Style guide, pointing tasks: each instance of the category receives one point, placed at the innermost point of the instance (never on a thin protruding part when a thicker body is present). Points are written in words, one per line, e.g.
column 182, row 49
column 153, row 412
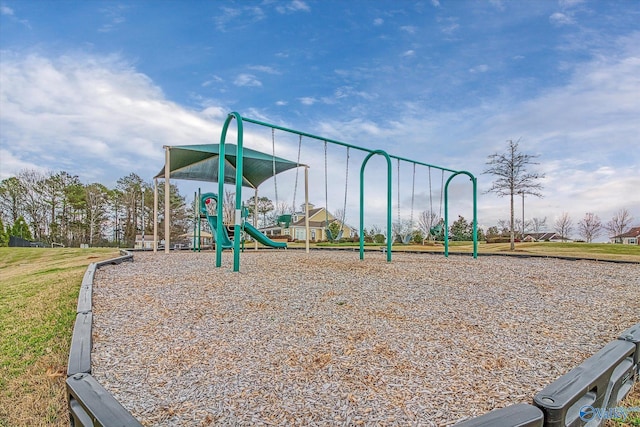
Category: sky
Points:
column 98, row 88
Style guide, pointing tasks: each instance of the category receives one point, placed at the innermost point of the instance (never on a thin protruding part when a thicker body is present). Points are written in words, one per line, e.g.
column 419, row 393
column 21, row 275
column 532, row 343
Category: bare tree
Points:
column 619, row 223
column 426, row 220
column 511, row 169
column 589, row 227
column 564, row 226
column 229, row 207
column 503, row 225
column 281, row 209
column 538, row 224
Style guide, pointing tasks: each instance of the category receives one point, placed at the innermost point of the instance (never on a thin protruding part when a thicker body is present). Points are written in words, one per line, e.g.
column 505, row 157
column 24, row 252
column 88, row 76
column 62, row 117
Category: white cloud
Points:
column 92, row 117
column 409, row 29
column 408, row 53
column 585, row 132
column 114, row 14
column 294, row 6
column 307, row 100
column 498, row 4
column 10, row 165
column 212, row 80
column 482, row 68
column 7, row 11
column 448, row 25
column 559, row 18
column 435, row 3
column 247, row 80
column 570, row 3
column 265, row 69
column 378, row 21
column 237, row 18
column 281, row 103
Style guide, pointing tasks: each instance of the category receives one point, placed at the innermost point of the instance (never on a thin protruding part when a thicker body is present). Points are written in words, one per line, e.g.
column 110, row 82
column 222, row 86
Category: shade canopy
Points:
column 200, row 163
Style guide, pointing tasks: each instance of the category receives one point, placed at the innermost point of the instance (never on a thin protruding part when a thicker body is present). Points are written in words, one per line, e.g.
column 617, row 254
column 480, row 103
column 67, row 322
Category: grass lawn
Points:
column 633, row 418
column 38, row 297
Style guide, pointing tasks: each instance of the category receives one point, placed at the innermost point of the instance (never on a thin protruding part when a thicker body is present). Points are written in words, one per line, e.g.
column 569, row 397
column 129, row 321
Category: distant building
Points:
column 631, row 237
column 543, row 237
column 319, row 220
column 147, row 243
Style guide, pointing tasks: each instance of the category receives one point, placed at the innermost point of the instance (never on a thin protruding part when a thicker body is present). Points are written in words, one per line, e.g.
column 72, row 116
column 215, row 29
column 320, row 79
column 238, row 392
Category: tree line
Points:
column 55, row 208
column 511, row 169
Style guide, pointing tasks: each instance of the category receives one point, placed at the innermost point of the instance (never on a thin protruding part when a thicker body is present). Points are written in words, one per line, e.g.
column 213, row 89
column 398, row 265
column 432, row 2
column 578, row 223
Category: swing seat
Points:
column 284, row 221
column 435, row 230
column 330, row 235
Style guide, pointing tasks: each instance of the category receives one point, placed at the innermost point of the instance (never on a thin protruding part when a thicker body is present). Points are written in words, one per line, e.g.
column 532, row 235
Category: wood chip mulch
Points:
column 327, row 339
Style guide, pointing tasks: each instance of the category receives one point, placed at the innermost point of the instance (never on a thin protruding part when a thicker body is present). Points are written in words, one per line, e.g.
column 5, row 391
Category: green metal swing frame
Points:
column 238, row 182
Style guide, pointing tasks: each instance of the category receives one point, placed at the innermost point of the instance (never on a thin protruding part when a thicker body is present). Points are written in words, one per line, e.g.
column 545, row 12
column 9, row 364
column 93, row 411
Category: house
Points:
column 143, row 242
column 631, row 237
column 319, row 220
column 543, row 237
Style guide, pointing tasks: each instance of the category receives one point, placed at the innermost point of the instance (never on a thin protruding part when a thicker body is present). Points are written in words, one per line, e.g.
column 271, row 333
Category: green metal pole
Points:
column 446, row 217
column 219, row 212
column 475, row 216
column 344, row 144
column 362, row 167
column 237, row 226
column 475, row 213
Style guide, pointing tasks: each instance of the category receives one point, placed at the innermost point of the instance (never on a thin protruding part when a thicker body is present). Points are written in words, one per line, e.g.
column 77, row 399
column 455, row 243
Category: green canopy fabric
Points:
column 200, row 163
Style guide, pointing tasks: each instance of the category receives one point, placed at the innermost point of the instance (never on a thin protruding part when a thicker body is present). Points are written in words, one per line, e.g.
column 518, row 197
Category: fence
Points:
column 587, row 395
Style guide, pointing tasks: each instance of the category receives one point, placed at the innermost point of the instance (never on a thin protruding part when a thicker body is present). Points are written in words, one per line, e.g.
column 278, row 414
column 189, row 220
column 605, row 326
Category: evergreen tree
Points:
column 4, row 237
column 21, row 229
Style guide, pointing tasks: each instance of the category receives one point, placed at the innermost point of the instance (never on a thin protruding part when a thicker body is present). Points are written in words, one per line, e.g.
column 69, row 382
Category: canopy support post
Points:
column 306, row 207
column 167, row 198
column 155, row 215
column 255, row 216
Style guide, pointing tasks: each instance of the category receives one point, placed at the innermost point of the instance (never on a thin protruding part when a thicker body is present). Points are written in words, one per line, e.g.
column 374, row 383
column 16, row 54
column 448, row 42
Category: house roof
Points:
column 541, row 236
column 633, row 232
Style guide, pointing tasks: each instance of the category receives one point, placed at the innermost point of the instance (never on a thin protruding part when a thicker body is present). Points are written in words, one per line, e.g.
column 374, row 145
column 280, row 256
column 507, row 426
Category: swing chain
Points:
column 295, row 188
column 346, row 188
column 273, row 149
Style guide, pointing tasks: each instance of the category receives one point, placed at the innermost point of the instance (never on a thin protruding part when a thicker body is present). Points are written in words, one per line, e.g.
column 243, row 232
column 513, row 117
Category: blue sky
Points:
column 96, row 88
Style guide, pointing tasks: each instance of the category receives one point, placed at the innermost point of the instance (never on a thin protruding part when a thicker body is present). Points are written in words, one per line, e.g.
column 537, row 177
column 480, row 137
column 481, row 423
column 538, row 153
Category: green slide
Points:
column 261, row 238
column 226, row 242
column 205, row 199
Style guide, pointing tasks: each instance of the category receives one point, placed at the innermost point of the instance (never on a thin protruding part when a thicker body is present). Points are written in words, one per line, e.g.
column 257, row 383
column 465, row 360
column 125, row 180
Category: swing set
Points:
column 285, row 219
column 435, row 229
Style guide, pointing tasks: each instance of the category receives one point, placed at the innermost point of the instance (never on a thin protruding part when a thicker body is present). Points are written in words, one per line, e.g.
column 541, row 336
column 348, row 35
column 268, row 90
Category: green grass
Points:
column 38, row 297
column 633, row 418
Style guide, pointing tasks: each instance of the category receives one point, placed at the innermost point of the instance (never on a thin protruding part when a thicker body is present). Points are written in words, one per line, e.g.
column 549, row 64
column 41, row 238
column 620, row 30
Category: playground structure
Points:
column 225, row 242
column 232, row 168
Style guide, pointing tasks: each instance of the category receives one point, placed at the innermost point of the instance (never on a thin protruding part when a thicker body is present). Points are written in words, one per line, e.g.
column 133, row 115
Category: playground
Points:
column 321, row 338
column 238, row 167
